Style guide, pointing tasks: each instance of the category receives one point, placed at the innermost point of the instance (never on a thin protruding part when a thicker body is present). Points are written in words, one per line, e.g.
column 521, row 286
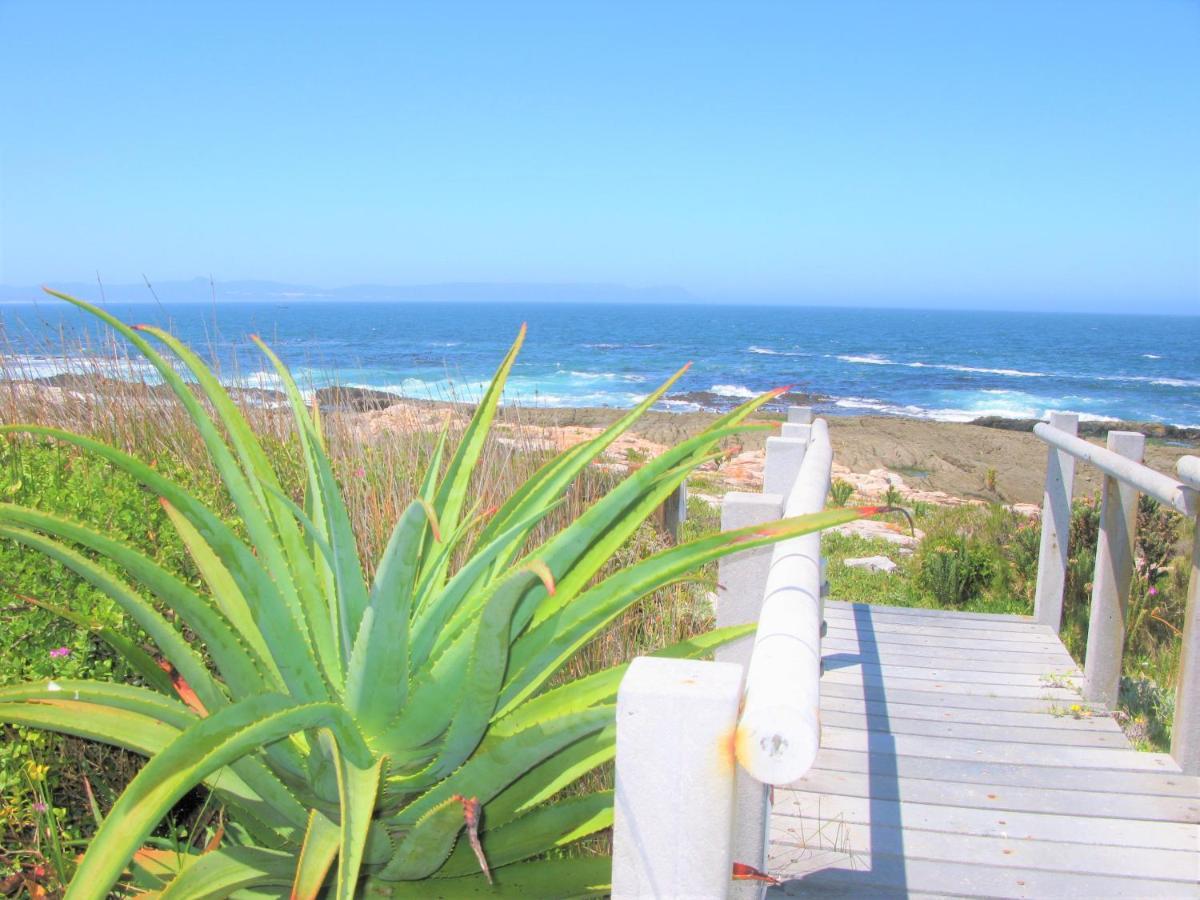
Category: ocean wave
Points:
column 733, row 390
column 1149, row 379
column 869, row 359
column 978, row 370
column 602, row 376
column 1151, row 356
column 767, row 351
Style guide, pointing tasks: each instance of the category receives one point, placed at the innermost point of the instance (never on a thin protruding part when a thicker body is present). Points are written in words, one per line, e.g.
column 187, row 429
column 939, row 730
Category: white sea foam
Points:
column 979, row 370
column 1151, row 356
column 869, row 359
column 603, row 376
column 732, row 390
column 1150, row 379
column 767, row 351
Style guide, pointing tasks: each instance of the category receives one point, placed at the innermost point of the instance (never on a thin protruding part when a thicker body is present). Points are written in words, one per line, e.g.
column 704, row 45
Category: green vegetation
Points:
column 840, row 492
column 420, row 718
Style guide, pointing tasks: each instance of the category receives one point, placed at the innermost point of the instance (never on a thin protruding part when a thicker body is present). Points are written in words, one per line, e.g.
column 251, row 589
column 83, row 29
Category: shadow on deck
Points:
column 958, row 759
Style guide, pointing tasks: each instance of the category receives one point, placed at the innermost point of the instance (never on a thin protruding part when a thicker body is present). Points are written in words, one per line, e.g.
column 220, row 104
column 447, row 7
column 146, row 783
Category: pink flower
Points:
column 1153, row 592
column 60, row 652
column 39, row 806
column 360, row 472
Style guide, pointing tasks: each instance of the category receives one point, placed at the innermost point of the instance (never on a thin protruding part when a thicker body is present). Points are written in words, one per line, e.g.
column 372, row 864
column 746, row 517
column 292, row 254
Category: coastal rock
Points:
column 878, row 529
column 355, row 399
column 871, row 564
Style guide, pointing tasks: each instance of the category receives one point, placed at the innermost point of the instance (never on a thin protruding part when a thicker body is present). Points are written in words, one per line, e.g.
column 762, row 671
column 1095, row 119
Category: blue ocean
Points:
column 949, row 366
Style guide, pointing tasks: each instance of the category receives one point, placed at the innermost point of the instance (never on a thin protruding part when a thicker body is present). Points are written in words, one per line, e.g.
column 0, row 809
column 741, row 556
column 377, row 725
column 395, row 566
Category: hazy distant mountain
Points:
column 198, row 290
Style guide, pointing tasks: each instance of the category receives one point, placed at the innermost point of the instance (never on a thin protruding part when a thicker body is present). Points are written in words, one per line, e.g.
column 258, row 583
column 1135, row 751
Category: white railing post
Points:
column 1111, row 581
column 1056, row 527
column 1185, row 730
column 742, row 576
column 675, row 765
column 742, row 582
column 784, row 455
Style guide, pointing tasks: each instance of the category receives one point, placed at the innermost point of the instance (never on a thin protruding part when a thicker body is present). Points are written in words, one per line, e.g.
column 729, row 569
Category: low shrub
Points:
column 840, row 492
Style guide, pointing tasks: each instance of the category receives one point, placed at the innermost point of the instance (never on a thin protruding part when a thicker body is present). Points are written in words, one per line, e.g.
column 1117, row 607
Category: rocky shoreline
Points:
column 990, row 460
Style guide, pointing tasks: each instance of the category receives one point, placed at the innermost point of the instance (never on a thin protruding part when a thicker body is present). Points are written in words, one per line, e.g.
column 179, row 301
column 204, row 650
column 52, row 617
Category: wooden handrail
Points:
column 779, row 731
column 1175, row 494
column 1124, row 477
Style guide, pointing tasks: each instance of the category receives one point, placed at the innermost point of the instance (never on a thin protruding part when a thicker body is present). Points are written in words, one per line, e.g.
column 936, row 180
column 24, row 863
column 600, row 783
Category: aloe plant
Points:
column 364, row 736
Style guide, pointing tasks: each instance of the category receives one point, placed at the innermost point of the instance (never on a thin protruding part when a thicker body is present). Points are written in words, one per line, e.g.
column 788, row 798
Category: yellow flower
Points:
column 37, row 771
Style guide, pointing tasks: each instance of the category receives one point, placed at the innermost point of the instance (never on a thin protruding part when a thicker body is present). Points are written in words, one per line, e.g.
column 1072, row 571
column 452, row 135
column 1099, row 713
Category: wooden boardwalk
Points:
column 959, row 760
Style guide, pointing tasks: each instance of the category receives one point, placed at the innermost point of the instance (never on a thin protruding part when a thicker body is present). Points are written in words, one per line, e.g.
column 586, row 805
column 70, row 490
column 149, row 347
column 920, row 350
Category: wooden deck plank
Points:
column 951, row 766
column 921, row 612
column 839, row 656
column 862, row 840
column 889, row 876
column 1020, row 646
column 1074, row 802
column 913, row 680
column 1011, row 824
column 933, row 696
column 1117, row 781
column 939, row 629
column 1058, row 737
column 986, row 716
column 977, row 652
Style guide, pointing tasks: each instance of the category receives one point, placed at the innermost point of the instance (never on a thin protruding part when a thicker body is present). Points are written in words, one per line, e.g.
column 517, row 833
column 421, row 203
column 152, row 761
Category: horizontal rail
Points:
column 779, row 731
column 1164, row 488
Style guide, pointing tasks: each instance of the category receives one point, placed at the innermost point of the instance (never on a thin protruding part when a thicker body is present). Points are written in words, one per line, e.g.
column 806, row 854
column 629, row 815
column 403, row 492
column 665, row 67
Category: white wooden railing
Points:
column 1124, row 478
column 700, row 743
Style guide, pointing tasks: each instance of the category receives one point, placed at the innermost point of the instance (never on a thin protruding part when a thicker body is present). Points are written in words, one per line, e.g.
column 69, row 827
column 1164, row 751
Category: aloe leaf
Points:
column 556, row 475
column 141, row 661
column 317, row 854
column 177, row 651
column 265, row 484
column 219, row 873
column 474, row 682
column 330, row 514
column 433, row 821
column 210, row 744
column 601, row 687
column 537, row 655
column 577, row 552
column 236, row 482
column 95, row 716
column 452, row 491
column 240, row 666
column 549, row 777
column 452, row 603
column 377, row 677
column 358, row 787
column 282, row 630
column 112, row 695
column 223, row 588
column 546, row 828
column 563, row 879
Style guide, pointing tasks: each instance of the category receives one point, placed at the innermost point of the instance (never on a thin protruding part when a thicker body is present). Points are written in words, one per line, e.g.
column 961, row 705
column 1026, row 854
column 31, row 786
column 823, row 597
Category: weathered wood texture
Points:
column 943, row 772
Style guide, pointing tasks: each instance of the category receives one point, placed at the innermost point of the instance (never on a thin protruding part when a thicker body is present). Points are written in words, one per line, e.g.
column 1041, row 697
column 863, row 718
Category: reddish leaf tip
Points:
column 542, row 571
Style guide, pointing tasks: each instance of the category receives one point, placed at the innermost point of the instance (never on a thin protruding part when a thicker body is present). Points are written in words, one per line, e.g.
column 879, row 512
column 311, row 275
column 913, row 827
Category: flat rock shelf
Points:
column 958, row 759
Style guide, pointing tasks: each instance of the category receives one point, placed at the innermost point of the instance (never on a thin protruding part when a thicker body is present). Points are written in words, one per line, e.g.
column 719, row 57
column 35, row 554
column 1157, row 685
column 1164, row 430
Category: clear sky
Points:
column 971, row 153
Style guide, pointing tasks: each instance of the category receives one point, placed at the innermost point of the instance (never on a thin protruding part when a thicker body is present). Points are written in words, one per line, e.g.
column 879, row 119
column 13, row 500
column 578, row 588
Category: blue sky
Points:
column 965, row 153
